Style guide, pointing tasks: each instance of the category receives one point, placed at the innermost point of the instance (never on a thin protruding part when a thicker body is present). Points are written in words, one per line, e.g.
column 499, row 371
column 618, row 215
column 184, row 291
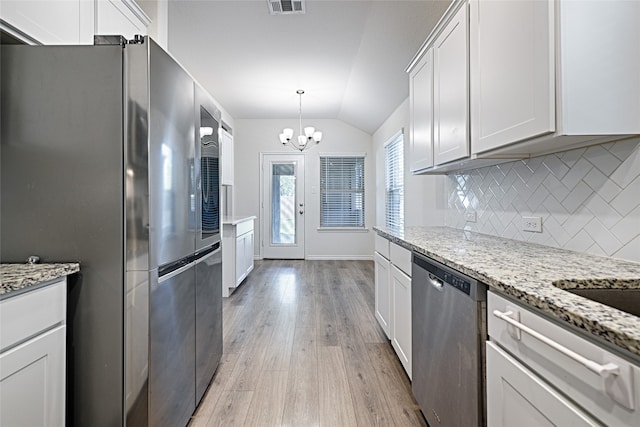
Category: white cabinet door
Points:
column 49, row 22
column 421, row 113
column 248, row 252
column 382, row 277
column 240, row 258
column 401, row 317
column 512, row 71
column 451, row 93
column 32, row 381
column 226, row 140
column 121, row 17
column 517, row 397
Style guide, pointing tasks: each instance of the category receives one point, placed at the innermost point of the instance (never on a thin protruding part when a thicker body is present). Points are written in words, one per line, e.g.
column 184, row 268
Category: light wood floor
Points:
column 302, row 348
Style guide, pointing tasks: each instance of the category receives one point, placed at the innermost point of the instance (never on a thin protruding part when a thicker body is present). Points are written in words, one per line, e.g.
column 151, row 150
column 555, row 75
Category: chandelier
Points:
column 310, row 133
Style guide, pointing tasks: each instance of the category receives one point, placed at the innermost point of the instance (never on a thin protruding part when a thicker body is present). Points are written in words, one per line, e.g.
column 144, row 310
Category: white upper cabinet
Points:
column 548, row 76
column 421, row 111
column 451, row 90
column 512, row 71
column 439, row 94
column 56, row 22
column 49, row 22
column 120, row 17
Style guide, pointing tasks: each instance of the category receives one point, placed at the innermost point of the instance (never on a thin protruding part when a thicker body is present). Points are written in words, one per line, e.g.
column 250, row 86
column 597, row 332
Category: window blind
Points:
column 341, row 191
column 394, row 182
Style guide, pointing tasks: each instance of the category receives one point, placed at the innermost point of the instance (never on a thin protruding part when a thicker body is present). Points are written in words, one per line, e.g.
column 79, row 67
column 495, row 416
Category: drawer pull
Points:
column 604, row 371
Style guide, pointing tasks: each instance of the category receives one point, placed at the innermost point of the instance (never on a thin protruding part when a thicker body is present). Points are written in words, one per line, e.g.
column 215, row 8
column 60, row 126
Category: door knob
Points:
column 301, row 212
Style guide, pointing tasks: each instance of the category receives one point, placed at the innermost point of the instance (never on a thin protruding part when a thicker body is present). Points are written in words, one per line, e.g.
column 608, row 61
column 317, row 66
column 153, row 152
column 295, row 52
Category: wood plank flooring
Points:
column 302, row 348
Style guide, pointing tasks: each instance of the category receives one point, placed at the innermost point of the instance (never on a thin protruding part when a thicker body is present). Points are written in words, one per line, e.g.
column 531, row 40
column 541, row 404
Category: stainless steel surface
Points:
column 33, row 259
column 627, row 300
column 208, row 318
column 448, row 334
column 62, row 197
column 172, row 349
column 171, row 160
column 98, row 166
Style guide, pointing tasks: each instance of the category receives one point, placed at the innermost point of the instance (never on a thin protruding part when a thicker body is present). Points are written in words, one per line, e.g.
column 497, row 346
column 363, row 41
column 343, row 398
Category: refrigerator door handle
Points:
column 177, row 271
column 205, row 254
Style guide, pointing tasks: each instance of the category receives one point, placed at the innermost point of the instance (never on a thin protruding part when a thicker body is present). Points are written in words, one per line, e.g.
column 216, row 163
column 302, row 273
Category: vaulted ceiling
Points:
column 349, row 56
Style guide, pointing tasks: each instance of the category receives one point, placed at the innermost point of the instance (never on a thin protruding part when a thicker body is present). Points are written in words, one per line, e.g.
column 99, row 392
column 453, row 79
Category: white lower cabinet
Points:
column 401, row 317
column 32, row 357
column 537, row 382
column 517, row 397
column 393, row 296
column 237, row 252
column 383, row 292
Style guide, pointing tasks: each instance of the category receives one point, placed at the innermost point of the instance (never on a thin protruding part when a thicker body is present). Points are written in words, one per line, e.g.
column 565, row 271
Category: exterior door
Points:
column 283, row 206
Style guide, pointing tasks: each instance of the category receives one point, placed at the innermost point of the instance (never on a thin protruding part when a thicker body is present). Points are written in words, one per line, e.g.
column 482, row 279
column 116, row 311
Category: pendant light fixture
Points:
column 310, row 133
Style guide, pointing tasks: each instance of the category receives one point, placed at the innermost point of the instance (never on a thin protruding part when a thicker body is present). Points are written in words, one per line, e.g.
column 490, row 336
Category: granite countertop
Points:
column 17, row 278
column 536, row 275
column 235, row 220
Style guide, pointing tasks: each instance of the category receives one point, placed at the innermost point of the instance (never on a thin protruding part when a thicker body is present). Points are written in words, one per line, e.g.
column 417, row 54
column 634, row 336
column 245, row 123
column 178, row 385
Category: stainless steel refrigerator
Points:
column 110, row 157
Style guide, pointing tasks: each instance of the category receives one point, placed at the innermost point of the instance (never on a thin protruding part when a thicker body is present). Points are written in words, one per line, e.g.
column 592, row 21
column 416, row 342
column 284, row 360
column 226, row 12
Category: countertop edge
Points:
column 19, row 278
column 237, row 220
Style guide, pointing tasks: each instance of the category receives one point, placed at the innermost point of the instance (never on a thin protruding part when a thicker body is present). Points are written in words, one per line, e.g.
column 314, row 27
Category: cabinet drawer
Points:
column 244, row 227
column 30, row 313
column 382, row 246
column 401, row 258
column 614, row 400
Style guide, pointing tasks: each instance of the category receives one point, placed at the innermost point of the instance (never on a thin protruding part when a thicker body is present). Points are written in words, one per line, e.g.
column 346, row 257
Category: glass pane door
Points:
column 283, row 206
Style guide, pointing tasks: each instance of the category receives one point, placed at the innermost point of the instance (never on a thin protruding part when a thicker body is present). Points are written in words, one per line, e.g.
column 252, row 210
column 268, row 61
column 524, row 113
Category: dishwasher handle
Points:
column 604, row 371
column 435, row 282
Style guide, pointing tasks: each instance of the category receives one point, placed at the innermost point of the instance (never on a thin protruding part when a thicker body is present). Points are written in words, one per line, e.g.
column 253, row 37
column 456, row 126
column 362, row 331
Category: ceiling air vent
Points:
column 286, row 7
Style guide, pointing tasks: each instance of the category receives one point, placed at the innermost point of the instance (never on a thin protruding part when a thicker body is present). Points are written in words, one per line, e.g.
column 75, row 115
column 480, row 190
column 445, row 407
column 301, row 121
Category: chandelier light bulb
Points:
column 308, row 131
column 288, row 133
column 317, row 136
column 283, row 138
column 302, row 140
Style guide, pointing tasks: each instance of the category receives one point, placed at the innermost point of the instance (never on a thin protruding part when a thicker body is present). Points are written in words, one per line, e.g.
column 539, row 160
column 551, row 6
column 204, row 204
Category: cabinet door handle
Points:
column 602, row 370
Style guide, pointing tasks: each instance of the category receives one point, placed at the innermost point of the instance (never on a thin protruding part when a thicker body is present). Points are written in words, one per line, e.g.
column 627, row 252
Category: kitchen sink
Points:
column 627, row 300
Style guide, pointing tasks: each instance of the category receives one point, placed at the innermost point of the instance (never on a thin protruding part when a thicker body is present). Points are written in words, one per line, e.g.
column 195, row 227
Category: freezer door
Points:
column 171, row 346
column 208, row 316
column 172, row 166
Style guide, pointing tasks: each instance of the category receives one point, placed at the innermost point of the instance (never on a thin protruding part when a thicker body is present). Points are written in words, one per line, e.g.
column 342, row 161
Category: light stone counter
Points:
column 536, row 275
column 18, row 278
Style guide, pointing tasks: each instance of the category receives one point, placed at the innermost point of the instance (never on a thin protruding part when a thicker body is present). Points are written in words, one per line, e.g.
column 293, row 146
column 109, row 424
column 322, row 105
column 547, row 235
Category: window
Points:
column 394, row 181
column 341, row 191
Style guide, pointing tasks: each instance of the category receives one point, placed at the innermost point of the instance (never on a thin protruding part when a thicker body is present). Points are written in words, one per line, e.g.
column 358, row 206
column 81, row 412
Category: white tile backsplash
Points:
column 589, row 199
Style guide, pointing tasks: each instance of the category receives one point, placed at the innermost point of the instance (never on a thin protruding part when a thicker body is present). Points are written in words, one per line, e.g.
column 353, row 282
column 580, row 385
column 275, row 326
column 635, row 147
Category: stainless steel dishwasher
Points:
column 448, row 321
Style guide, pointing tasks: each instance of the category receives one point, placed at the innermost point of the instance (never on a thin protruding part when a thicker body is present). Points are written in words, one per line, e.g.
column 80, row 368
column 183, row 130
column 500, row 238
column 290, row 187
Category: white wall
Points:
column 253, row 136
column 424, row 195
column 588, row 199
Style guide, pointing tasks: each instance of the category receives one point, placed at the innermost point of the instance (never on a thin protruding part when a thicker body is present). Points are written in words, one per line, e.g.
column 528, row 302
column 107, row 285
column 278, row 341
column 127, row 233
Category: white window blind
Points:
column 341, row 191
column 394, row 182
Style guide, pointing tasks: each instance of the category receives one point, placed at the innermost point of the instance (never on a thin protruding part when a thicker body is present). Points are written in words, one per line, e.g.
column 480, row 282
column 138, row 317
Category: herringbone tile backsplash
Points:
column 589, row 199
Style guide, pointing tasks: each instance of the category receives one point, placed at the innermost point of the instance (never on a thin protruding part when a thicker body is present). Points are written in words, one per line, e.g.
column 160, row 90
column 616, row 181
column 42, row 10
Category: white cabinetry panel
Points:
column 382, row 277
column 451, row 90
column 401, row 317
column 32, row 357
column 517, row 397
column 512, row 71
column 49, row 22
column 421, row 111
column 120, row 17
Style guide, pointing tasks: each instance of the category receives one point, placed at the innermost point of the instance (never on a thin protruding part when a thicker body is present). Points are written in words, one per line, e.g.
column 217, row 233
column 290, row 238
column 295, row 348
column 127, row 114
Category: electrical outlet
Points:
column 532, row 224
column 470, row 216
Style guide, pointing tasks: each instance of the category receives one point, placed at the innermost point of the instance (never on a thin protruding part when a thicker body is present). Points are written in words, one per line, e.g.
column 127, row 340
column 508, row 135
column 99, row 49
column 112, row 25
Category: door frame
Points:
column 265, row 227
